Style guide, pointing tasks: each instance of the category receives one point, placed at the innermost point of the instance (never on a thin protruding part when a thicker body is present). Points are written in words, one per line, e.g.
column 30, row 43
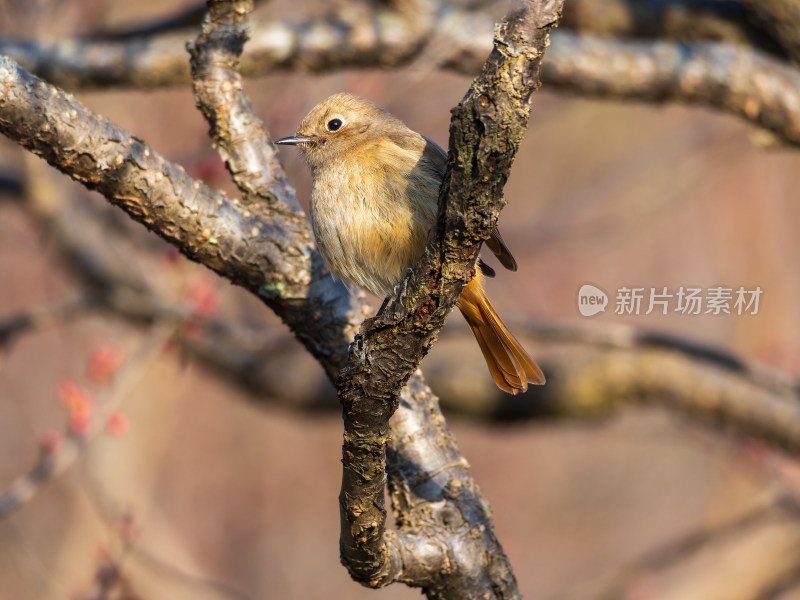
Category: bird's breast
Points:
column 370, row 222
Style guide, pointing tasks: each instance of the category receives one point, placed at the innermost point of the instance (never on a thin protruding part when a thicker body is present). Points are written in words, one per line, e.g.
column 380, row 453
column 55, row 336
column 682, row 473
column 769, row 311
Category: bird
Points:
column 374, row 199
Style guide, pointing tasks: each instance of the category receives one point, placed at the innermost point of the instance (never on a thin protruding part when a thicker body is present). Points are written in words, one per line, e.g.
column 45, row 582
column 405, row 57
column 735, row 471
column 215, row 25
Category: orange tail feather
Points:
column 510, row 365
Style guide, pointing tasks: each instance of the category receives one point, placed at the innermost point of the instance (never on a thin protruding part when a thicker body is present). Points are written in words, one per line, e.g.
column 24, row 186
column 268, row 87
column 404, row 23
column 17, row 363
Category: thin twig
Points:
column 42, row 317
column 54, row 461
column 683, row 549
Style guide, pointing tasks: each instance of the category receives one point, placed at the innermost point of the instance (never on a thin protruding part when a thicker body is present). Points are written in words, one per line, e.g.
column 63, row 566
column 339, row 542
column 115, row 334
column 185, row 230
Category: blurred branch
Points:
column 593, row 370
column 745, row 83
column 85, row 242
column 47, row 466
column 43, row 316
column 783, row 586
column 110, row 581
column 715, row 561
column 731, row 77
column 185, row 18
column 197, row 582
column 677, row 20
column 342, row 38
column 60, row 452
column 592, row 373
column 144, row 62
column 781, row 18
column 10, row 183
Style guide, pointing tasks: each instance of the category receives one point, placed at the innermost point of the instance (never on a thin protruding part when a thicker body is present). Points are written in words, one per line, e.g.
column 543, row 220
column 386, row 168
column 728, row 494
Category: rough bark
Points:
column 442, row 517
column 280, row 266
column 486, row 130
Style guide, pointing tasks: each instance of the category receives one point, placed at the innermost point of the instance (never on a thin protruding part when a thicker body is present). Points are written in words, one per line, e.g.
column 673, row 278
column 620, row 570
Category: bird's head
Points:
column 337, row 125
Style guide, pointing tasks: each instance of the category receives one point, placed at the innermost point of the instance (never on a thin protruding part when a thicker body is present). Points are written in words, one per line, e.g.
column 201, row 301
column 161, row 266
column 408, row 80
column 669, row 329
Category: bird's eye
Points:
column 334, row 124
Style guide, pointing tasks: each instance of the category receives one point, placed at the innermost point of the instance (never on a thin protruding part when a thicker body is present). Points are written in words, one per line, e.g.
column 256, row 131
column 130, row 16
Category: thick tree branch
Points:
column 486, row 130
column 593, row 370
column 262, row 246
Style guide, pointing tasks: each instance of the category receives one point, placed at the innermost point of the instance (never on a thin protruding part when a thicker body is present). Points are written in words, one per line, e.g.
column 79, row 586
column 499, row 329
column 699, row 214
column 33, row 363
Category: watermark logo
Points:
column 719, row 300
column 591, row 300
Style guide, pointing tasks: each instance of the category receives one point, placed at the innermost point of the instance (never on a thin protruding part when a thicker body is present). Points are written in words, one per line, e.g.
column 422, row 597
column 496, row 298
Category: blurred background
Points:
column 201, row 487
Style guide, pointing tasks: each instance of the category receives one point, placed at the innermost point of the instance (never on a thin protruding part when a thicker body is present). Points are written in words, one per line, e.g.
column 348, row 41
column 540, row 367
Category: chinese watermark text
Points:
column 685, row 300
column 718, row 300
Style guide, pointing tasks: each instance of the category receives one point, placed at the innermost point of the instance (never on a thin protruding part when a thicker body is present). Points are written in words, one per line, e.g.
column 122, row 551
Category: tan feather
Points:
column 511, row 366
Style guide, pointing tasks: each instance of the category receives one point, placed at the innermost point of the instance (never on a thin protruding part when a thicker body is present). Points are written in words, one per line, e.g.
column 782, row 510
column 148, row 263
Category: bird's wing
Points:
column 497, row 245
column 438, row 158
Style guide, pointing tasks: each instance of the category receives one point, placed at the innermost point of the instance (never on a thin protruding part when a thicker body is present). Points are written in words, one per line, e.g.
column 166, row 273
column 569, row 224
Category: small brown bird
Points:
column 374, row 199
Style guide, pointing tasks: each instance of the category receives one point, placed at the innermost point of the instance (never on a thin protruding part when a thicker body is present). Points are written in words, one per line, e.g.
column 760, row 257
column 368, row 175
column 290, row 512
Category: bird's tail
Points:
column 511, row 367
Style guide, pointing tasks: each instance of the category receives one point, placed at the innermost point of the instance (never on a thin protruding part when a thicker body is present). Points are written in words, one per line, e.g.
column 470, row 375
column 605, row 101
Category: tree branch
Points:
column 724, row 76
column 486, row 129
column 677, row 20
column 718, row 558
column 261, row 243
column 781, row 18
column 55, row 459
column 372, row 556
column 263, row 246
column 593, row 370
column 42, row 316
column 749, row 83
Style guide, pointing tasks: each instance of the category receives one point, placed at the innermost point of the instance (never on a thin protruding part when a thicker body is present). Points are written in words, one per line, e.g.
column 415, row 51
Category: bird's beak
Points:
column 293, row 140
